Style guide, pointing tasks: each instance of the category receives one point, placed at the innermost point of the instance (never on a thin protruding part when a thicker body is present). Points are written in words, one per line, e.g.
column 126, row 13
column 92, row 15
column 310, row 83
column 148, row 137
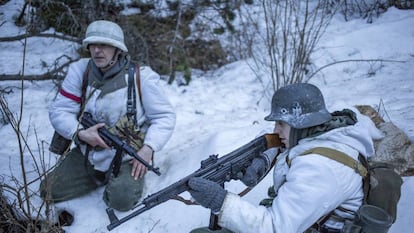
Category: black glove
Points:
column 207, row 193
column 255, row 171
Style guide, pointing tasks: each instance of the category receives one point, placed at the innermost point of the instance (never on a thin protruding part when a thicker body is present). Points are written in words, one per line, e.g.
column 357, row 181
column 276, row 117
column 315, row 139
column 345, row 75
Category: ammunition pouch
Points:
column 369, row 219
column 59, row 144
column 333, row 225
column 374, row 219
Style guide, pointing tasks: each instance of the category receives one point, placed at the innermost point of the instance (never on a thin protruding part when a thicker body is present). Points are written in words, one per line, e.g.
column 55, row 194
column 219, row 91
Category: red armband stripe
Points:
column 70, row 96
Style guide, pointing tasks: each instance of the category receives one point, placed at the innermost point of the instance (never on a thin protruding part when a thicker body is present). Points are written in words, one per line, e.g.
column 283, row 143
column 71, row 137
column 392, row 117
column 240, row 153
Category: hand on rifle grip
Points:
column 255, row 171
column 91, row 136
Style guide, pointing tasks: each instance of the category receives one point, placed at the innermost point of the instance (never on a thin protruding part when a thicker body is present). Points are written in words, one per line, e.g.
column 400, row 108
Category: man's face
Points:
column 102, row 55
column 283, row 130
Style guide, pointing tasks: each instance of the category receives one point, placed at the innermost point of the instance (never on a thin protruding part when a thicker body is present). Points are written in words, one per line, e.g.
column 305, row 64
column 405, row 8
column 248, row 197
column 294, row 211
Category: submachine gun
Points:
column 228, row 167
column 114, row 141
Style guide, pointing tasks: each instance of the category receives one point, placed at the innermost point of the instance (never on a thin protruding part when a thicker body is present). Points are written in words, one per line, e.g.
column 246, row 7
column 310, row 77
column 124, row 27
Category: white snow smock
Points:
column 310, row 188
column 156, row 110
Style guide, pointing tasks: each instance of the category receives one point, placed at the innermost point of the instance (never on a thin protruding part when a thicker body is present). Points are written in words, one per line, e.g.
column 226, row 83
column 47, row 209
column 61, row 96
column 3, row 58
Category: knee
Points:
column 123, row 197
column 43, row 191
column 46, row 191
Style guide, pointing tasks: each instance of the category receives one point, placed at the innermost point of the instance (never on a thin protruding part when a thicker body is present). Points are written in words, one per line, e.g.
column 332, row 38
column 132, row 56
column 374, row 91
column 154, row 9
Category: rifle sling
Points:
column 132, row 99
column 183, row 200
column 116, row 162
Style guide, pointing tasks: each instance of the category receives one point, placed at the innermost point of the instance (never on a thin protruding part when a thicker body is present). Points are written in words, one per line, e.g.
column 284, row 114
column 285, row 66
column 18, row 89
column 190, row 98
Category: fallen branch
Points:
column 46, row 35
column 53, row 74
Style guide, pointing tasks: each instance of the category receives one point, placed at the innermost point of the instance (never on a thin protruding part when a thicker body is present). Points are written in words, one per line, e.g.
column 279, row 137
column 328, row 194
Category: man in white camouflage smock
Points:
column 100, row 85
column 307, row 188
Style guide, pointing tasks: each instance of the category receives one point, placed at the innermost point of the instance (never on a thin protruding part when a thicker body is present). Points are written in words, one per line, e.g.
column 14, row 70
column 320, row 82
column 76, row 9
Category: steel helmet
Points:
column 300, row 105
column 104, row 32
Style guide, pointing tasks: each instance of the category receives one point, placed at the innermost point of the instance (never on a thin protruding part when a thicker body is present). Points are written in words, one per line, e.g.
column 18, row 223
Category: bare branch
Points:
column 282, row 48
column 47, row 35
column 350, row 60
column 58, row 72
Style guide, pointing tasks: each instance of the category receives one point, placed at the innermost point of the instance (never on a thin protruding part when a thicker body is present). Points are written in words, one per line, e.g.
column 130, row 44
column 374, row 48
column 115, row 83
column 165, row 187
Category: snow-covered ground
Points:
column 217, row 113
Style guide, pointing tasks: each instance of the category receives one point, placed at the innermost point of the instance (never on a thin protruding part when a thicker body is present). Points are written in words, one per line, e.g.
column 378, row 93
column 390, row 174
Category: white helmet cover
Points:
column 104, row 32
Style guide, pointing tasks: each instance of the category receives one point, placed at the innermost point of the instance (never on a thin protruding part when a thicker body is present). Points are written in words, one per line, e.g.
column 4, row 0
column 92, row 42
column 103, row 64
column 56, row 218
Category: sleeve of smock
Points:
column 158, row 110
column 301, row 200
column 64, row 109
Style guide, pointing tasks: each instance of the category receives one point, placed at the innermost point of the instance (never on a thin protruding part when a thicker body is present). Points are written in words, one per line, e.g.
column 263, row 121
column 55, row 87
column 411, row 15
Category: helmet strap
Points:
column 115, row 57
column 294, row 136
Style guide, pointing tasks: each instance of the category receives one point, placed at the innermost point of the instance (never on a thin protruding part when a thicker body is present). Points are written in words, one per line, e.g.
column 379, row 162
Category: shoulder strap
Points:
column 132, row 101
column 339, row 157
column 138, row 80
column 83, row 90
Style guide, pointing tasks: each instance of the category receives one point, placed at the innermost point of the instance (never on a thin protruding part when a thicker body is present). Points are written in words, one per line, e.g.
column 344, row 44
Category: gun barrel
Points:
column 116, row 222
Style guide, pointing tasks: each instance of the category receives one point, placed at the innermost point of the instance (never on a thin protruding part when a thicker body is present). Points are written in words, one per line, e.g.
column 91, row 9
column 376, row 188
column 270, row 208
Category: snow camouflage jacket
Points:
column 310, row 188
column 157, row 112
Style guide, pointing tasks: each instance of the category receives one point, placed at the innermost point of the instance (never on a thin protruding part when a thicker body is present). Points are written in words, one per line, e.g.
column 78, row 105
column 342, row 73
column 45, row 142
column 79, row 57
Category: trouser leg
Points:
column 207, row 230
column 123, row 192
column 70, row 178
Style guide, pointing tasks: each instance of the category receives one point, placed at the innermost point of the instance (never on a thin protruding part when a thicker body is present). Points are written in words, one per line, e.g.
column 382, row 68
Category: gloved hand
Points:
column 255, row 171
column 207, row 193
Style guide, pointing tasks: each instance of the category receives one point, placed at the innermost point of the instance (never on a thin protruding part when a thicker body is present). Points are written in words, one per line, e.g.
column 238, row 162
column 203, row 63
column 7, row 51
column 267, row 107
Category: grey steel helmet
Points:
column 105, row 32
column 300, row 105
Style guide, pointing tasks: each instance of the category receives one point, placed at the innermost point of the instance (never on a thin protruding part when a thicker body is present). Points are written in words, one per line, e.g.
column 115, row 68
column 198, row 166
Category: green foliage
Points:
column 2, row 2
column 55, row 14
column 173, row 5
column 187, row 72
column 219, row 31
column 71, row 17
column 161, row 42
